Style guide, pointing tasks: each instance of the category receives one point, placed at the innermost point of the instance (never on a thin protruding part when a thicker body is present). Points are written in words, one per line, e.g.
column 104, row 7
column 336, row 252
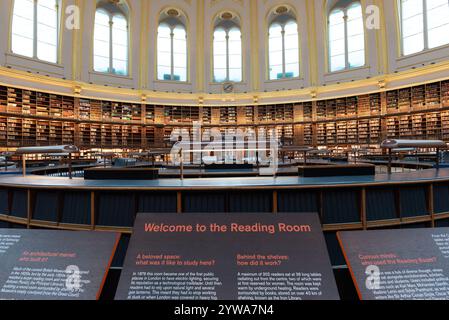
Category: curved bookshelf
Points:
column 35, row 118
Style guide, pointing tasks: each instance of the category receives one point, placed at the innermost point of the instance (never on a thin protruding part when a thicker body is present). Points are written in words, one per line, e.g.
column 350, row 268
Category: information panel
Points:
column 54, row 265
column 398, row 264
column 227, row 257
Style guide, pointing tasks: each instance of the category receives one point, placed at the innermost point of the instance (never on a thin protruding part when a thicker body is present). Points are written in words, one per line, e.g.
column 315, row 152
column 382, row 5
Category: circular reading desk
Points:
column 398, row 200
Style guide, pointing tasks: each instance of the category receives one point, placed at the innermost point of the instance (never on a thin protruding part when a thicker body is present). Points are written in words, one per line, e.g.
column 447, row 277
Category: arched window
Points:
column 283, row 45
column 346, row 37
column 35, row 29
column 227, row 49
column 172, row 47
column 111, row 38
column 424, row 24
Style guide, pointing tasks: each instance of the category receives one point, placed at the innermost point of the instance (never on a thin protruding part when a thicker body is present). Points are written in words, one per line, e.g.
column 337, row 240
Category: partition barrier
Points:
column 340, row 207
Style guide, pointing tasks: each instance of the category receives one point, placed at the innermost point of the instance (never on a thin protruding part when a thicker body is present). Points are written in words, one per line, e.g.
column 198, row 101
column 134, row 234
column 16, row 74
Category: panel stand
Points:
column 438, row 159
column 70, row 166
column 181, row 164
column 24, row 166
column 389, row 160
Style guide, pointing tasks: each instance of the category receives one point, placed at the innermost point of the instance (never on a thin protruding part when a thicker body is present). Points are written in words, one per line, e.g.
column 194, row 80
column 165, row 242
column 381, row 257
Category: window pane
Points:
column 47, row 12
column 163, row 73
column 22, row 46
column 292, row 40
column 412, row 26
column 180, row 53
column 235, row 34
column 355, row 11
column 411, row 8
column 180, row 60
column 120, row 66
column 356, row 43
column 413, row 44
column 180, row 74
column 235, row 61
column 337, row 47
column 291, row 56
column 276, row 58
column 167, row 41
column 292, row 70
column 291, row 28
column 47, row 30
column 438, row 16
column 179, row 48
column 22, row 28
column 220, row 60
column 164, row 31
column 101, row 41
column 164, row 52
column 47, row 52
column 338, row 63
column 220, row 47
column 275, row 51
column 437, row 36
column 179, row 32
column 276, row 72
column 119, row 52
column 356, row 59
column 235, row 75
column 336, row 32
column 120, row 30
column 164, row 44
column 101, row 64
column 235, row 55
column 235, row 47
column 235, row 42
column 120, row 45
column 355, row 21
column 438, row 22
column 291, row 49
column 219, row 55
column 356, row 36
column 102, row 48
column 219, row 75
column 219, row 41
column 337, row 40
column 337, row 28
column 164, row 60
column 120, row 57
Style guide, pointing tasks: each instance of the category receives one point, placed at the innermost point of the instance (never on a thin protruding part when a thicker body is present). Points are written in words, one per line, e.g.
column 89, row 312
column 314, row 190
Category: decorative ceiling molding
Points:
column 428, row 74
column 215, row 2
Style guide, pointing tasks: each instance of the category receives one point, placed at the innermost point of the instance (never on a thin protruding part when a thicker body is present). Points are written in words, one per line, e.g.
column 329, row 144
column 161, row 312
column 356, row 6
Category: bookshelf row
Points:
column 429, row 96
column 35, row 118
column 45, row 105
column 16, row 132
column 433, row 125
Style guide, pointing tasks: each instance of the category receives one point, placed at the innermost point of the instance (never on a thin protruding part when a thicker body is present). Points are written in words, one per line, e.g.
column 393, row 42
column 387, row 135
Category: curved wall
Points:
column 384, row 68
